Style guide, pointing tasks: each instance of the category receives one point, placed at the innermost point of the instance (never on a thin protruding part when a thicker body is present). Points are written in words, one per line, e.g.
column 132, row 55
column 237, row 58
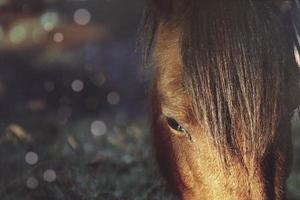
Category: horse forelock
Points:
column 237, row 59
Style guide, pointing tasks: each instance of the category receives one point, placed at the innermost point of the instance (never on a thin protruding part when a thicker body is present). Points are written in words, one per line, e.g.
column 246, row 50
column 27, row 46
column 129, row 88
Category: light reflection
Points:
column 82, row 16
column 49, row 20
column 77, row 85
column 49, row 175
column 113, row 98
column 31, row 158
column 98, row 128
column 17, row 34
column 58, row 37
column 32, row 183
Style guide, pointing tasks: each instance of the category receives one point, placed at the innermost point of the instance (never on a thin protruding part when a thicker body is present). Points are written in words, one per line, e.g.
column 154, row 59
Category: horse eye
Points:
column 178, row 128
column 174, row 125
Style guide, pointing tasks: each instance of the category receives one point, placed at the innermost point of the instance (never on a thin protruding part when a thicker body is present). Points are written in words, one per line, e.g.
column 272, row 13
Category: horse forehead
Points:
column 167, row 54
column 167, row 58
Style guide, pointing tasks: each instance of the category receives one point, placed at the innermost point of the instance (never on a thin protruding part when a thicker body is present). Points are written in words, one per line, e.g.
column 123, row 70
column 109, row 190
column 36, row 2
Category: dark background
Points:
column 74, row 103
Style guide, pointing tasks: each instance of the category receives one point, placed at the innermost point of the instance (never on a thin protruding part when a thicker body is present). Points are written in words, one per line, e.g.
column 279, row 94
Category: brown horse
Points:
column 226, row 85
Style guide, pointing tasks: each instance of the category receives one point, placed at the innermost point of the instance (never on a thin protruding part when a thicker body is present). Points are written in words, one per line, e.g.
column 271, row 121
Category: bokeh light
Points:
column 98, row 128
column 113, row 98
column 32, row 183
column 49, row 175
column 17, row 34
column 58, row 37
column 49, row 20
column 77, row 85
column 31, row 158
column 82, row 16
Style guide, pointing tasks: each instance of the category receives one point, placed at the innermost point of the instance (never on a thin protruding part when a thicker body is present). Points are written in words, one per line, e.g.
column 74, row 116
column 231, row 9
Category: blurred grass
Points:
column 115, row 166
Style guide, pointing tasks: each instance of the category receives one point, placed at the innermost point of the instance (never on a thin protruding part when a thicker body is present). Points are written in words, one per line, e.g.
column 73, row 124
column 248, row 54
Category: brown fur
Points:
column 194, row 168
column 234, row 102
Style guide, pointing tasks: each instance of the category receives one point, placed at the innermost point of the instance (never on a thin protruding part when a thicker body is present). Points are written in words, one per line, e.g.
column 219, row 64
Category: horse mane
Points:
column 238, row 63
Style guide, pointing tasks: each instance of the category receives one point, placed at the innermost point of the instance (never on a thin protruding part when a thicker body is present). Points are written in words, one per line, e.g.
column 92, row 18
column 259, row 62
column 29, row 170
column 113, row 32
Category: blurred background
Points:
column 74, row 103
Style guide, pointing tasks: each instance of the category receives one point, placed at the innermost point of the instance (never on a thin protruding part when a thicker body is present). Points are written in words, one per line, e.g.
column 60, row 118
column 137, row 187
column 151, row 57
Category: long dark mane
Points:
column 239, row 65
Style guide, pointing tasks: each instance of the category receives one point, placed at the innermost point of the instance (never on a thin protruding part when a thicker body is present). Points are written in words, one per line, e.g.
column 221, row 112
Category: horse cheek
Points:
column 164, row 154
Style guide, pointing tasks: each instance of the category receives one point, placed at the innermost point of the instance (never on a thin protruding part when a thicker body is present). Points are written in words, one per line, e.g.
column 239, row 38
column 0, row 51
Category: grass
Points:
column 115, row 166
